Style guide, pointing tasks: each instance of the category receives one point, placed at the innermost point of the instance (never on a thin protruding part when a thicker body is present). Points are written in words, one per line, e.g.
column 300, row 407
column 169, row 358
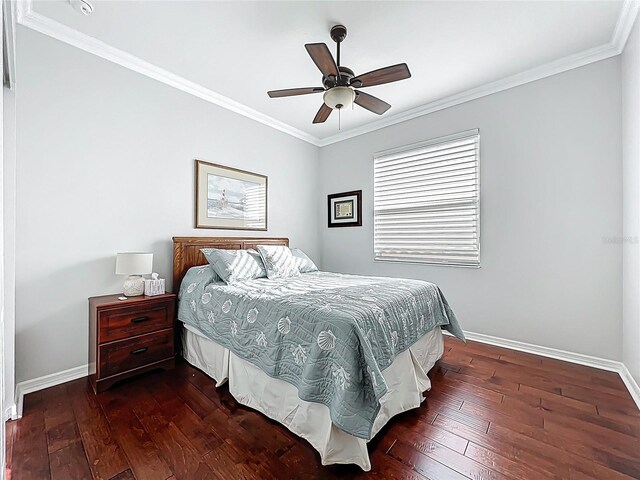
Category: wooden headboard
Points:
column 187, row 254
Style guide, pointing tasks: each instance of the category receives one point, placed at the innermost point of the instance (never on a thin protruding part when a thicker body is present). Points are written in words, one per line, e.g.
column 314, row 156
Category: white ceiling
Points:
column 242, row 49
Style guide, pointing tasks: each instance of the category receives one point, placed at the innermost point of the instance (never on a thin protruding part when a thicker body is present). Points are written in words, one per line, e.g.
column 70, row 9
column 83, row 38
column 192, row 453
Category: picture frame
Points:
column 344, row 209
column 229, row 198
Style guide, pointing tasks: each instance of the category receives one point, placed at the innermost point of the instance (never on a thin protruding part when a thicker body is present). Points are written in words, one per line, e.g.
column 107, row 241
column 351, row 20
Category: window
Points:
column 427, row 202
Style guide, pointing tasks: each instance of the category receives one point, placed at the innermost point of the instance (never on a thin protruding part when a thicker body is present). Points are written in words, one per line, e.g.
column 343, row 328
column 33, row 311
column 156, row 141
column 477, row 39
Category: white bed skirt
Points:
column 406, row 379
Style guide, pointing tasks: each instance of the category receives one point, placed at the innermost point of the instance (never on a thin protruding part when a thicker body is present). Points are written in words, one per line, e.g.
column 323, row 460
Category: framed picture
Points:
column 345, row 209
column 230, row 199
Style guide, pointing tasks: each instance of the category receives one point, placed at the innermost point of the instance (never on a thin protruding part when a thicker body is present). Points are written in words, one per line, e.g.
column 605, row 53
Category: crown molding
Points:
column 31, row 19
column 627, row 18
column 558, row 66
column 9, row 46
column 35, row 21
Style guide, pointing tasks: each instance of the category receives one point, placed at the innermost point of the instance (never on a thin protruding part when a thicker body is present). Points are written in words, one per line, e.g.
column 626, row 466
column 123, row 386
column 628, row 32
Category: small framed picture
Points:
column 345, row 209
column 229, row 198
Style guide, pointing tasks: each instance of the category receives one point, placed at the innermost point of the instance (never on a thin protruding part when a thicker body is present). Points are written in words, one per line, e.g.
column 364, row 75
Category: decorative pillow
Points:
column 235, row 265
column 302, row 261
column 278, row 261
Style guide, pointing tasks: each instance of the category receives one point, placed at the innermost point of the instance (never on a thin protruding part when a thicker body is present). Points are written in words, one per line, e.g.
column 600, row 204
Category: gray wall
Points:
column 631, row 202
column 9, row 238
column 106, row 164
column 551, row 208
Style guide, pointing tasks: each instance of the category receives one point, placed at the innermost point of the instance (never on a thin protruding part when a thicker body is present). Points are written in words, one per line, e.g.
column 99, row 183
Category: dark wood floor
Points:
column 492, row 414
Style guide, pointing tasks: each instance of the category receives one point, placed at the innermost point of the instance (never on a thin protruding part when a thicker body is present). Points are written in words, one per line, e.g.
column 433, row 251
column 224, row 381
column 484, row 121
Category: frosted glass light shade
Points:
column 339, row 97
column 134, row 263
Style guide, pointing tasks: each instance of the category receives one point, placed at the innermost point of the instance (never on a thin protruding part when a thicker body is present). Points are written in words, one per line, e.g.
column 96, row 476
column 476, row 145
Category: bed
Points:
column 332, row 357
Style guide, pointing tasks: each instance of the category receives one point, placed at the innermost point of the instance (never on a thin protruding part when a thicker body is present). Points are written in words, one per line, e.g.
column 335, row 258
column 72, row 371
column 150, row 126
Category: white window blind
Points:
column 427, row 202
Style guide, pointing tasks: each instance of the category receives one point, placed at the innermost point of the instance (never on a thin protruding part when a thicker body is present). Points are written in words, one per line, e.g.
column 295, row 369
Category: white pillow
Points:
column 303, row 262
column 235, row 265
column 278, row 261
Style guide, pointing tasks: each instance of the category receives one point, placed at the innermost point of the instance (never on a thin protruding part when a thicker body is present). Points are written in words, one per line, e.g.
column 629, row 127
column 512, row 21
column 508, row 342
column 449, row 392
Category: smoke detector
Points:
column 82, row 6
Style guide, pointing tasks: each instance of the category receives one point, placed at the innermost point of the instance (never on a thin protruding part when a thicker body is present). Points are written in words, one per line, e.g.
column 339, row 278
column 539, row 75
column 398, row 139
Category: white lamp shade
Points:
column 134, row 263
column 339, row 97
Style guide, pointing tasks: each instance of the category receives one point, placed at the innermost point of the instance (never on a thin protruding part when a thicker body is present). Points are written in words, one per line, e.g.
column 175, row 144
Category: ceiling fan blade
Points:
column 321, row 56
column 381, row 76
column 289, row 92
column 322, row 114
column 371, row 103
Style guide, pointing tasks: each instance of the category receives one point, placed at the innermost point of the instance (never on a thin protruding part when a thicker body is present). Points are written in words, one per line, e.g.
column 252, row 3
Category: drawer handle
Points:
column 139, row 350
column 139, row 319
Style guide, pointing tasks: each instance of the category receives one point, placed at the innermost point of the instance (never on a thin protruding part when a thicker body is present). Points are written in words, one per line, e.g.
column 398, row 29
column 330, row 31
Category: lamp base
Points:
column 133, row 286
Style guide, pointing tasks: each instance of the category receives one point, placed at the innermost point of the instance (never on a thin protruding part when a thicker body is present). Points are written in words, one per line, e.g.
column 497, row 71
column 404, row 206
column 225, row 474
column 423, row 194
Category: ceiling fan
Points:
column 340, row 82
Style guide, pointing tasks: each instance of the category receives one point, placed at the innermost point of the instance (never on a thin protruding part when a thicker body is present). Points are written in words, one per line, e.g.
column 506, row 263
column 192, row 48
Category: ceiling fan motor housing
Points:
column 330, row 81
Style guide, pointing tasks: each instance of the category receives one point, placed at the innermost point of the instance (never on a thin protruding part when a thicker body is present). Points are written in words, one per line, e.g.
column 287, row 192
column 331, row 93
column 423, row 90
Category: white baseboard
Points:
column 10, row 413
column 579, row 358
column 47, row 381
column 631, row 384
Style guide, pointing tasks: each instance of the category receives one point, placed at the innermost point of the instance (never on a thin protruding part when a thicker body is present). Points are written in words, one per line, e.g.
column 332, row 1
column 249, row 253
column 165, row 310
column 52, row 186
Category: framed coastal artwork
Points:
column 345, row 209
column 229, row 198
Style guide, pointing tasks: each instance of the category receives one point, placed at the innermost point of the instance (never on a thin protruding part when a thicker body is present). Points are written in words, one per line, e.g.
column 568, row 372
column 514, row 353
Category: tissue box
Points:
column 154, row 287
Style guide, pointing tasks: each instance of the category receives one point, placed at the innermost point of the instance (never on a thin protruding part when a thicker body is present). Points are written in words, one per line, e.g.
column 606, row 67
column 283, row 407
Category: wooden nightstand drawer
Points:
column 123, row 355
column 125, row 323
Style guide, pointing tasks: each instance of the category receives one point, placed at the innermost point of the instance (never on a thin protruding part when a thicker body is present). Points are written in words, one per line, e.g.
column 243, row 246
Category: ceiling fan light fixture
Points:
column 339, row 97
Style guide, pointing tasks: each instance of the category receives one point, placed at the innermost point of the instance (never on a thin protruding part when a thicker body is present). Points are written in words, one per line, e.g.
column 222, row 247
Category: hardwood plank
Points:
column 176, row 449
column 387, row 467
column 69, row 462
column 126, row 475
column 201, row 436
column 191, row 395
column 273, row 436
column 56, row 411
column 467, row 419
column 501, row 464
column 423, row 464
column 61, row 436
column 224, row 467
column 557, row 397
column 579, row 456
column 621, row 418
column 538, row 459
column 142, row 454
column 553, row 459
column 467, row 392
column 9, row 429
column 595, row 436
column 587, row 421
column 623, row 401
column 504, row 416
column 106, row 458
column 301, row 459
column 30, row 453
column 419, row 431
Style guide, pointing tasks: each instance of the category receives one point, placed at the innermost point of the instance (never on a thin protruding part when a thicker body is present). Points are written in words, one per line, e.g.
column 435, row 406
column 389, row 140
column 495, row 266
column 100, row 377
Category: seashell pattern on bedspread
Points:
column 330, row 335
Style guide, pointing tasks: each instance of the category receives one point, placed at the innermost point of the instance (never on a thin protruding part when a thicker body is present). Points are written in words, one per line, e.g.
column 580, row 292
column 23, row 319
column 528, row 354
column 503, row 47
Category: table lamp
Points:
column 134, row 265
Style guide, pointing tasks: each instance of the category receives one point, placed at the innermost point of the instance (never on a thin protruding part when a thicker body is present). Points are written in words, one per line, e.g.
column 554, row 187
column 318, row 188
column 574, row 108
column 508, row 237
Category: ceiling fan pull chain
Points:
column 339, row 118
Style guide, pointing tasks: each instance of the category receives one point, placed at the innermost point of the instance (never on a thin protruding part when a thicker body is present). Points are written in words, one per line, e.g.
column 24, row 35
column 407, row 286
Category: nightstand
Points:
column 128, row 337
